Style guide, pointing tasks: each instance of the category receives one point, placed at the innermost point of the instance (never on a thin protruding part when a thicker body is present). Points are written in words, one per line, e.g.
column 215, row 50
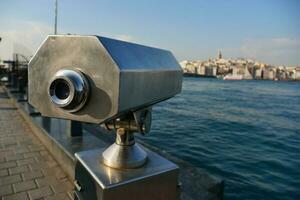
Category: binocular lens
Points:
column 69, row 90
column 61, row 89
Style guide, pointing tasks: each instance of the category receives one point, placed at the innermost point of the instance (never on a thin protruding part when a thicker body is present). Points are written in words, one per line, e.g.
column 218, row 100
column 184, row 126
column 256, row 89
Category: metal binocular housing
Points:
column 96, row 79
column 100, row 80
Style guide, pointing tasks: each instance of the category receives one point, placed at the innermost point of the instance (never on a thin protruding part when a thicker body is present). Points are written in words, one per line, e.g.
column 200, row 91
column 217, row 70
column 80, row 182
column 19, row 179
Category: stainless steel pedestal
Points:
column 156, row 179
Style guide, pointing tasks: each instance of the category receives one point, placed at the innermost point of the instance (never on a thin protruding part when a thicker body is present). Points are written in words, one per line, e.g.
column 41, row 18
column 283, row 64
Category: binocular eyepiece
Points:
column 69, row 90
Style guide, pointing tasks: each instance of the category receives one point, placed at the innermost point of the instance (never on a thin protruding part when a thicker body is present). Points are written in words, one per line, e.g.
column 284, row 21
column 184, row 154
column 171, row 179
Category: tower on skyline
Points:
column 220, row 55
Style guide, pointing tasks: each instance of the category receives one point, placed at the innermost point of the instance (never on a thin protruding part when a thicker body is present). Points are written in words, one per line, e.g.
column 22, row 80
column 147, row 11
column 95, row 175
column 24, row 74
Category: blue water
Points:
column 246, row 132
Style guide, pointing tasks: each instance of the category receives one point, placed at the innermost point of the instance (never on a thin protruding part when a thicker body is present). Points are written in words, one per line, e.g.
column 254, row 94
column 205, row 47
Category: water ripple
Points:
column 246, row 132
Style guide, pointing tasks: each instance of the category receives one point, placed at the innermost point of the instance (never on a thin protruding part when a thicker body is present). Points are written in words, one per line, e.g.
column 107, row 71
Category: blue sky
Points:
column 265, row 30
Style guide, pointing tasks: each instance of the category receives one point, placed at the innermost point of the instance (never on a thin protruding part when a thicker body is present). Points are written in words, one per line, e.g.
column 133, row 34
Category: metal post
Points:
column 15, row 72
column 55, row 22
column 74, row 128
column 46, row 123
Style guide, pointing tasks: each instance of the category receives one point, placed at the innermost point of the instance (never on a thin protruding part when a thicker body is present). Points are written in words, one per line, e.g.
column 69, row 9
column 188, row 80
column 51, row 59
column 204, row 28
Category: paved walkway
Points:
column 27, row 170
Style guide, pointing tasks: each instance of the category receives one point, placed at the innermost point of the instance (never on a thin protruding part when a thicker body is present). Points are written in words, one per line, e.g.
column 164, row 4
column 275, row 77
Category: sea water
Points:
column 245, row 132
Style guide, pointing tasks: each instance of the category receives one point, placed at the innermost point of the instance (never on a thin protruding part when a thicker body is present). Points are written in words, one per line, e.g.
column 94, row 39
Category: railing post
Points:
column 74, row 128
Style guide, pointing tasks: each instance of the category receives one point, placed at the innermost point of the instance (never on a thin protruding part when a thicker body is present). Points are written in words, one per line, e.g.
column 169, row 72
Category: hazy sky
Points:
column 266, row 30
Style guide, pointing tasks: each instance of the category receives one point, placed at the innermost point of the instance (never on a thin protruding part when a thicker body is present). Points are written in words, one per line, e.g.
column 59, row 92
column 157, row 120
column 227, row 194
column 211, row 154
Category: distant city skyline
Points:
column 268, row 31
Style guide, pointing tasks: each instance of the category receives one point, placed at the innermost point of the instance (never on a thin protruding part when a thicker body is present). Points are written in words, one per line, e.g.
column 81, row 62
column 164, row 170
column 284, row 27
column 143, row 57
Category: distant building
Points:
column 269, row 73
column 258, row 73
column 211, row 71
column 201, row 70
column 247, row 68
column 280, row 73
column 220, row 55
column 297, row 73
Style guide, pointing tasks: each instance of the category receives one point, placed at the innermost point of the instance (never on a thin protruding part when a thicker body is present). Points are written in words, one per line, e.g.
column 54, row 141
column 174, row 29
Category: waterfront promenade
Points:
column 27, row 170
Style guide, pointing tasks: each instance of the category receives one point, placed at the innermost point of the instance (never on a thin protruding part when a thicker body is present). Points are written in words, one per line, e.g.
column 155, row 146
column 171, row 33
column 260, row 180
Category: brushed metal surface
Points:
column 125, row 153
column 157, row 179
column 123, row 77
column 124, row 156
column 86, row 54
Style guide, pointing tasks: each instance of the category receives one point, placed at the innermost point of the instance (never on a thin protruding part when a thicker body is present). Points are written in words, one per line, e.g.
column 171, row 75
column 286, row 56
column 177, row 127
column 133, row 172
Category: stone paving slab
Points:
column 27, row 170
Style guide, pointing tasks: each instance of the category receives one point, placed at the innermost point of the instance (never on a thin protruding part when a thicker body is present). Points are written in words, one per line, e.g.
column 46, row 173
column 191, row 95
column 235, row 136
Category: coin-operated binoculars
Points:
column 114, row 83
